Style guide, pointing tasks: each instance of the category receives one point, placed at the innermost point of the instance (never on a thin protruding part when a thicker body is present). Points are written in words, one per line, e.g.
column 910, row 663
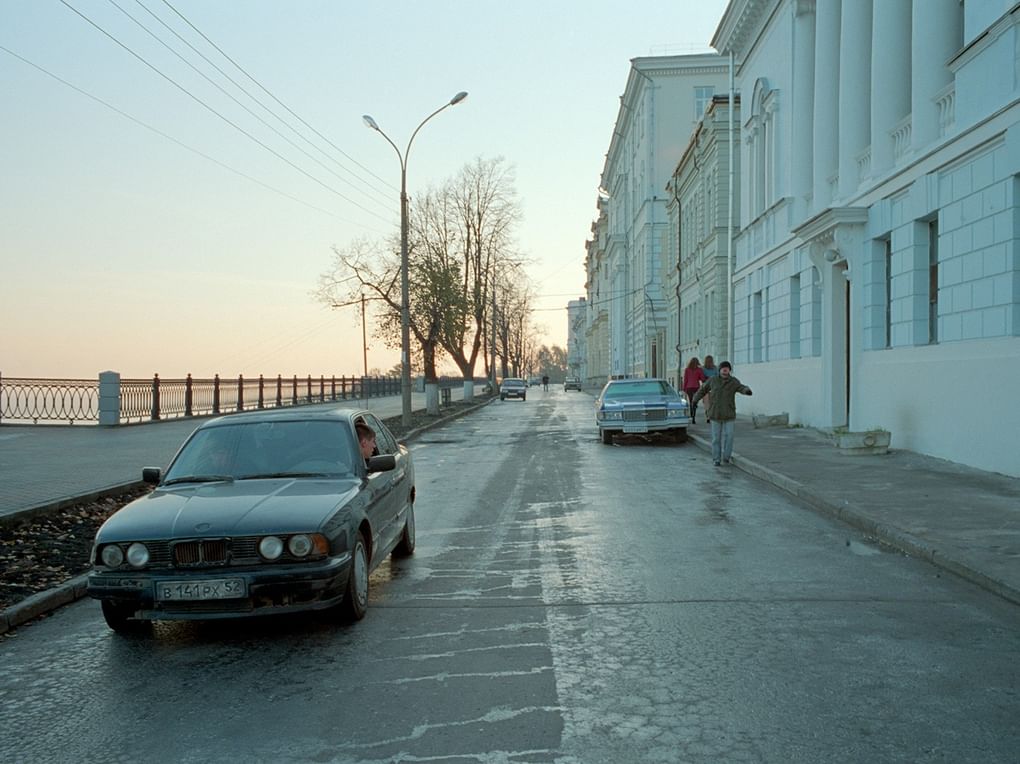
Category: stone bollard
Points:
column 770, row 420
column 109, row 398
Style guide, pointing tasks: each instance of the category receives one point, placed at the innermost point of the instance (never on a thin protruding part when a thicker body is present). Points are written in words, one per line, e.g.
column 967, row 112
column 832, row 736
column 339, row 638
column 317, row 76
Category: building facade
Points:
column 628, row 260
column 700, row 210
column 577, row 314
column 876, row 268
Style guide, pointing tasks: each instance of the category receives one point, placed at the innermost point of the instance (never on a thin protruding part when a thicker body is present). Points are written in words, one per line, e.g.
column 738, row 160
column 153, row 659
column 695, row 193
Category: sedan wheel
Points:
column 405, row 548
column 118, row 618
column 607, row 437
column 355, row 602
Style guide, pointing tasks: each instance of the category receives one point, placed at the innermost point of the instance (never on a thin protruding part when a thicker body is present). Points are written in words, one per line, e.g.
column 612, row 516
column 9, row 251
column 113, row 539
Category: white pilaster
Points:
column 890, row 78
column 826, row 100
column 936, row 34
column 854, row 98
column 803, row 106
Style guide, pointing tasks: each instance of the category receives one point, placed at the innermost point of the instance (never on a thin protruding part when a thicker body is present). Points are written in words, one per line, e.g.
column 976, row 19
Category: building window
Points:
column 933, row 282
column 702, row 98
column 757, row 327
column 888, row 293
column 795, row 316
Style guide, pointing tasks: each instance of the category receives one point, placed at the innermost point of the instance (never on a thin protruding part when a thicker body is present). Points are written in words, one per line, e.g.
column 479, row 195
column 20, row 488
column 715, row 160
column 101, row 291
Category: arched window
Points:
column 761, row 140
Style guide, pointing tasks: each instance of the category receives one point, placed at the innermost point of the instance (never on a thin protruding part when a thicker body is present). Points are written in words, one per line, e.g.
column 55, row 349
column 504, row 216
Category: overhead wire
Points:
column 265, row 90
column 221, row 116
column 383, row 196
column 183, row 145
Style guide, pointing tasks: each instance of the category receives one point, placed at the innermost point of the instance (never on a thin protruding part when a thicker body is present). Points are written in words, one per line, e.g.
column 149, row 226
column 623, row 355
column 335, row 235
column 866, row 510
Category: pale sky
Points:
column 121, row 249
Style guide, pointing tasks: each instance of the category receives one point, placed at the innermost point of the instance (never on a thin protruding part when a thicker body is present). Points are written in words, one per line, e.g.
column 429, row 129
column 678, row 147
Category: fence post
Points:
column 279, row 390
column 109, row 398
column 322, row 388
column 240, row 392
column 309, row 394
column 155, row 398
column 333, row 383
column 262, row 392
column 216, row 394
column 293, row 391
column 188, row 400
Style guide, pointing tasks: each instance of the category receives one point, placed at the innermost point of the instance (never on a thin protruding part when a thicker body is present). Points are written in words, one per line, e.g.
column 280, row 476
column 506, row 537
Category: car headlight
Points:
column 137, row 555
column 612, row 415
column 299, row 545
column 676, row 413
column 112, row 556
column 271, row 548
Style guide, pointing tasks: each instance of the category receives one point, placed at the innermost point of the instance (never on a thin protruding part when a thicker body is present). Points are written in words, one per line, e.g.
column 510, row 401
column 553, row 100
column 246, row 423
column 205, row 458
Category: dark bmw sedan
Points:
column 257, row 514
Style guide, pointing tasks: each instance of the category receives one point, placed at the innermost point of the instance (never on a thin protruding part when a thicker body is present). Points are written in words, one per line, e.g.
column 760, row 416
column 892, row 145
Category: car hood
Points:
column 241, row 508
column 640, row 403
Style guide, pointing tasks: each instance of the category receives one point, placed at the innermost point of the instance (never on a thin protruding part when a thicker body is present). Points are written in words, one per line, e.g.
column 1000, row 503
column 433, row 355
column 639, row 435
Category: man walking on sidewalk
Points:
column 722, row 409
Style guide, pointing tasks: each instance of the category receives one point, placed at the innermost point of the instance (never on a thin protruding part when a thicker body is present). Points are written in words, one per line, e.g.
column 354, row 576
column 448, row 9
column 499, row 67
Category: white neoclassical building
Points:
column 576, row 356
column 876, row 267
column 628, row 264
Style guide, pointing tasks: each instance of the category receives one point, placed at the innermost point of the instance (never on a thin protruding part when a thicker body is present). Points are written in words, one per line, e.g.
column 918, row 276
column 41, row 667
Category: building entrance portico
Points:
column 834, row 242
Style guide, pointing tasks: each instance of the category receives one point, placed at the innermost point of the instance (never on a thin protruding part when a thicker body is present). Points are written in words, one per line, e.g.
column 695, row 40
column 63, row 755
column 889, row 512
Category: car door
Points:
column 388, row 490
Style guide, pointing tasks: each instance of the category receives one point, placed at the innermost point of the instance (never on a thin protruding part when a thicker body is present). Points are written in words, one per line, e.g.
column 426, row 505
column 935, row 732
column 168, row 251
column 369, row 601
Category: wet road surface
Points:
column 569, row 602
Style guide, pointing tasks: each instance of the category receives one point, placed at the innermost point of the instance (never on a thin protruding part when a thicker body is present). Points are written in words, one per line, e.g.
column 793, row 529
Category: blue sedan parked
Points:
column 641, row 406
column 259, row 513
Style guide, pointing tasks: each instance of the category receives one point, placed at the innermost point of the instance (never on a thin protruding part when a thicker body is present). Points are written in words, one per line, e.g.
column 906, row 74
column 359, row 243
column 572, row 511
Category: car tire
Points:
column 355, row 601
column 405, row 547
column 607, row 437
column 680, row 435
column 118, row 618
column 524, row 397
column 502, row 397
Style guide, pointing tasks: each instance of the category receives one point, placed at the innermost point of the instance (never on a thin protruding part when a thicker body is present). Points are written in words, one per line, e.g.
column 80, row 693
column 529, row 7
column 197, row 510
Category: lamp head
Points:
column 369, row 122
column 458, row 98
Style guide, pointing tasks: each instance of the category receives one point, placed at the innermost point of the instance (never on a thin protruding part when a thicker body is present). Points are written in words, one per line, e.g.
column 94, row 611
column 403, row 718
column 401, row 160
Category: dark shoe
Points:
column 716, row 463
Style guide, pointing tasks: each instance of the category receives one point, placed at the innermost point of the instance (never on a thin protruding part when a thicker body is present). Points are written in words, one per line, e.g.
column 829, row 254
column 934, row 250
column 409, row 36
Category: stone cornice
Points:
column 741, row 24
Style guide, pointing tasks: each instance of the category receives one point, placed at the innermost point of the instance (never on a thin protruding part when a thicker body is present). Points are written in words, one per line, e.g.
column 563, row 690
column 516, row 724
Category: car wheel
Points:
column 355, row 602
column 607, row 437
column 524, row 397
column 502, row 397
column 405, row 548
column 680, row 435
column 118, row 618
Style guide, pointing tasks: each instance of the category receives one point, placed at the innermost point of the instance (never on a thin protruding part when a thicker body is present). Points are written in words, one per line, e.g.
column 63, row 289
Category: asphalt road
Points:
column 568, row 602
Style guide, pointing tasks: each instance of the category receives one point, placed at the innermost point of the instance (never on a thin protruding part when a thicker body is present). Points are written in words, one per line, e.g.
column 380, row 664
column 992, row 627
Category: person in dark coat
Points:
column 722, row 410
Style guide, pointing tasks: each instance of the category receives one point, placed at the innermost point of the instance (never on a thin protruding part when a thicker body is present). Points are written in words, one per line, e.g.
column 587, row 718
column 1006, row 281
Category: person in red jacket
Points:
column 694, row 377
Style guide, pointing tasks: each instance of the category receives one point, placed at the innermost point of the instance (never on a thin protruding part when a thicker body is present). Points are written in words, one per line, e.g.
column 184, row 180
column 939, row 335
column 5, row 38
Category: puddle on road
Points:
column 862, row 549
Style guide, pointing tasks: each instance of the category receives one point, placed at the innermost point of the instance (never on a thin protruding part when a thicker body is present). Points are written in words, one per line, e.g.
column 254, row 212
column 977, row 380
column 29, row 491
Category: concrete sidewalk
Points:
column 961, row 519
column 44, row 467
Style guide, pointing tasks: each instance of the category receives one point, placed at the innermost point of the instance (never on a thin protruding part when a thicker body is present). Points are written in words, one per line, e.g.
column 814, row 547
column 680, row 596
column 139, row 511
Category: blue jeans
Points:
column 722, row 439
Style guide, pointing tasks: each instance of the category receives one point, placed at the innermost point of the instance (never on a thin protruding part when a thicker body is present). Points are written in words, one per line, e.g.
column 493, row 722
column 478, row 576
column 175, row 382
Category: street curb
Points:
column 72, row 590
column 14, row 517
column 890, row 535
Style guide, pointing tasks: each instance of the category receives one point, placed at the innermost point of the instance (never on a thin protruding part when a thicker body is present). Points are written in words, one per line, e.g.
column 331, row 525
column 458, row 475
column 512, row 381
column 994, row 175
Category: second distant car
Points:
column 571, row 383
column 512, row 387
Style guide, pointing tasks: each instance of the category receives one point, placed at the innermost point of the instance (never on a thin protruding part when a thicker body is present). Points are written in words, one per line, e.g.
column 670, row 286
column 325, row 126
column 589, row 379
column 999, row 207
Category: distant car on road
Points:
column 641, row 406
column 512, row 387
column 534, row 381
column 571, row 383
column 257, row 514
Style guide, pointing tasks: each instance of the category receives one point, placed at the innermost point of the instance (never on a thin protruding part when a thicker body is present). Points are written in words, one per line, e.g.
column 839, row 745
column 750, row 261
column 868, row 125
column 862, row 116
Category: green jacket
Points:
column 721, row 396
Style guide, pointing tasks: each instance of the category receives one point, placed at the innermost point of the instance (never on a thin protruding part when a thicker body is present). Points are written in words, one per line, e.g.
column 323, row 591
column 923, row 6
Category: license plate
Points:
column 211, row 589
column 635, row 428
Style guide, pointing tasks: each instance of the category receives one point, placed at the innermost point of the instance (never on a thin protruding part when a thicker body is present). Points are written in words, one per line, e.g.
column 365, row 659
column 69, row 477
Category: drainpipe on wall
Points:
column 729, row 233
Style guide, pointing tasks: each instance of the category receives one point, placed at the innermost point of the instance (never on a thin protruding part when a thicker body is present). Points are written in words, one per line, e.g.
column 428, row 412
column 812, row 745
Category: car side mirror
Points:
column 151, row 475
column 381, row 463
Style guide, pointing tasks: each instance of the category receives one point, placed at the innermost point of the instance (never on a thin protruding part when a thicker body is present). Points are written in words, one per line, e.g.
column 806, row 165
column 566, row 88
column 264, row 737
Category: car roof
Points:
column 289, row 414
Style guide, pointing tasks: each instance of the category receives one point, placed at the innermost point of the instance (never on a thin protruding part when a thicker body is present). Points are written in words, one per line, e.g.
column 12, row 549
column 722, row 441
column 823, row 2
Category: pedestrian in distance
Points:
column 709, row 367
column 694, row 378
column 545, row 383
column 722, row 410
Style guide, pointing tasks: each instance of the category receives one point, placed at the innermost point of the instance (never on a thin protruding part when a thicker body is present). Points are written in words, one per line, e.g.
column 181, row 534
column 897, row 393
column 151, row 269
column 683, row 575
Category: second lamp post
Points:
column 405, row 297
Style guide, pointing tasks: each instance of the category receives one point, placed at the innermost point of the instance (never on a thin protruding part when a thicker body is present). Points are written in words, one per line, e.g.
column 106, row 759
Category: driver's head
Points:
column 366, row 439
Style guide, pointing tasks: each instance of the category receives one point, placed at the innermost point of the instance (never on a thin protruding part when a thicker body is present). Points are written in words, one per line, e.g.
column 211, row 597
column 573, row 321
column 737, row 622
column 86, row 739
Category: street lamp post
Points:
column 405, row 298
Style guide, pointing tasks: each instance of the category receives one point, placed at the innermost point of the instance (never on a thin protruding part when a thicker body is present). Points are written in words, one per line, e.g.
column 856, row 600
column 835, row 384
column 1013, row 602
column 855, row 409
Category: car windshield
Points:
column 641, row 388
column 251, row 450
column 513, row 382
